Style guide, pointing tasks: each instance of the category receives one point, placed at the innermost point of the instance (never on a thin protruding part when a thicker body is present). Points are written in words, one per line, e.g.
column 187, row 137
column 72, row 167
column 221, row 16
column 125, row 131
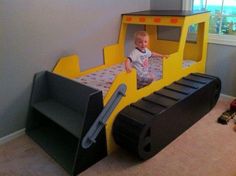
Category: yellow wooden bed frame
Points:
column 172, row 67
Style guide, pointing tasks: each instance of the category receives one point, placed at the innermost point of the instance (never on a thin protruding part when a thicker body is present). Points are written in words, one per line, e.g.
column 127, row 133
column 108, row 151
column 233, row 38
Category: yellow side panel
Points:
column 68, row 66
column 191, row 51
column 113, row 54
column 161, row 46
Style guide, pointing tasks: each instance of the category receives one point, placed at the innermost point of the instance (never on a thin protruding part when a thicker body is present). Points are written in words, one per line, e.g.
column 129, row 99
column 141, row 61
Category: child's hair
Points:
column 140, row 34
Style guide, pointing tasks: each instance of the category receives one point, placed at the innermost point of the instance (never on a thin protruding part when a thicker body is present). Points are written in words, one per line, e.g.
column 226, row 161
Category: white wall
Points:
column 166, row 4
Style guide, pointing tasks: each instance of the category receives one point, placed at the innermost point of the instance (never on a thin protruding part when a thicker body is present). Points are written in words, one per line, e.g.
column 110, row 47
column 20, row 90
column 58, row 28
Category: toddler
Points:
column 139, row 59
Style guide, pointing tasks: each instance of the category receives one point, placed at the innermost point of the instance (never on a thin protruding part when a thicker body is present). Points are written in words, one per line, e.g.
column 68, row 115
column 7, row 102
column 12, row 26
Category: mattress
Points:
column 103, row 79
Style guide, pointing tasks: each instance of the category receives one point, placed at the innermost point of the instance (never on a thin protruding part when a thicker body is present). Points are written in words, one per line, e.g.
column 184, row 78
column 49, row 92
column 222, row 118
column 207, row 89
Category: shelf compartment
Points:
column 61, row 112
column 65, row 117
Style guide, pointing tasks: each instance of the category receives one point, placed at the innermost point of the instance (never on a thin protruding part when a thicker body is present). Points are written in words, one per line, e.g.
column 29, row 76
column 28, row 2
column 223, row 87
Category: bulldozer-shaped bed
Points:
column 79, row 124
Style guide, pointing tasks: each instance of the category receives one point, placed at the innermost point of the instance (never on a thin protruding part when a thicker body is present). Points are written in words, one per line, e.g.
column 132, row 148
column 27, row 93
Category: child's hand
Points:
column 165, row 56
column 128, row 69
column 128, row 66
column 154, row 54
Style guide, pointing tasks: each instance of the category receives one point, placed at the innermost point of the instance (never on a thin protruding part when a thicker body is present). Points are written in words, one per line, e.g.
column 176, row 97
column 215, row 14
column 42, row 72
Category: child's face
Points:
column 142, row 42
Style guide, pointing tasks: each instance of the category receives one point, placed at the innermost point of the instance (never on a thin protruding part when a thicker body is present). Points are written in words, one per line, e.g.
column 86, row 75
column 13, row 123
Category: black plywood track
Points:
column 148, row 125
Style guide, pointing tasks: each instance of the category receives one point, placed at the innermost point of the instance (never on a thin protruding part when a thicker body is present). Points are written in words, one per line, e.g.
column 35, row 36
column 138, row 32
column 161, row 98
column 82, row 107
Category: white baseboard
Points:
column 227, row 96
column 12, row 136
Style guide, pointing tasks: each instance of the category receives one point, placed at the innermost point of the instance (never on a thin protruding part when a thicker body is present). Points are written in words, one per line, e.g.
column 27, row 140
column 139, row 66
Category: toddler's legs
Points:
column 144, row 81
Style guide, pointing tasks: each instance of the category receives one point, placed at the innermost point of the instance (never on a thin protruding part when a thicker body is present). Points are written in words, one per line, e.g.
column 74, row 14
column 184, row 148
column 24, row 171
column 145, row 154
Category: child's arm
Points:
column 128, row 66
column 154, row 54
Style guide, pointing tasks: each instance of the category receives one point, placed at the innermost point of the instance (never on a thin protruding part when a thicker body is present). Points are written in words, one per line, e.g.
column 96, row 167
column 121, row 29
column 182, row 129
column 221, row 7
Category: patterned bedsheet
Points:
column 103, row 79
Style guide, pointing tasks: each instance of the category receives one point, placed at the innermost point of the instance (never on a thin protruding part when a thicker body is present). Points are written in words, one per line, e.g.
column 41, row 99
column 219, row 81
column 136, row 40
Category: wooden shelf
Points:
column 65, row 117
column 60, row 144
column 60, row 113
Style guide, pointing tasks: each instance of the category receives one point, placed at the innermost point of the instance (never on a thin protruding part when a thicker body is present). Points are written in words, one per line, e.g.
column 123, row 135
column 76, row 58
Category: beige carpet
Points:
column 206, row 149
